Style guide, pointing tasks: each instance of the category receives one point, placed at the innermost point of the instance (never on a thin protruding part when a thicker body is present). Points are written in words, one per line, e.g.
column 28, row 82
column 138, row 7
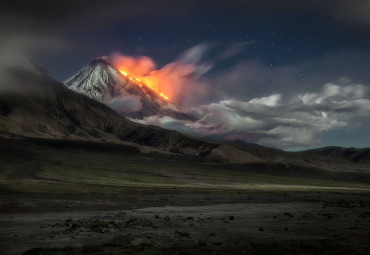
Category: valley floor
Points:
column 68, row 197
column 241, row 223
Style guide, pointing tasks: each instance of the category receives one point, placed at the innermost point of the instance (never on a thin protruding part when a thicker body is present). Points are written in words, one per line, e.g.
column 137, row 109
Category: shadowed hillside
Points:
column 53, row 111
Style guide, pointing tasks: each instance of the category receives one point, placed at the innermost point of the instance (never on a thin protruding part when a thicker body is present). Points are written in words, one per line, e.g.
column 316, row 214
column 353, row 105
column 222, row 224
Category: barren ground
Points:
column 256, row 223
column 82, row 199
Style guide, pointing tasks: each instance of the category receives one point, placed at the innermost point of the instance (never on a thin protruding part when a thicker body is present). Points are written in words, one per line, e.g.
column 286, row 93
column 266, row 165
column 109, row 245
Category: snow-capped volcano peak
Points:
column 96, row 80
column 103, row 82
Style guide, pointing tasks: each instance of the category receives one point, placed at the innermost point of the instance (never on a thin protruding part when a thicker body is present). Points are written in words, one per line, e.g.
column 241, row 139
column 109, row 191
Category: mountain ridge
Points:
column 56, row 112
column 60, row 113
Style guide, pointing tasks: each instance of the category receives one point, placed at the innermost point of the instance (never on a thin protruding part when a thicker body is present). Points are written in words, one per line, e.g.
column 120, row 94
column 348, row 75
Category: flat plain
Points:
column 97, row 198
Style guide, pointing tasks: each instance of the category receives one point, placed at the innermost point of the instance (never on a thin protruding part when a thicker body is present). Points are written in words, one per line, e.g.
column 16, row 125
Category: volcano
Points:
column 126, row 95
column 43, row 109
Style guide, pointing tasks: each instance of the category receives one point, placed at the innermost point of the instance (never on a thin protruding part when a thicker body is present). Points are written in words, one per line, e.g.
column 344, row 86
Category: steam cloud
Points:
column 178, row 80
column 128, row 103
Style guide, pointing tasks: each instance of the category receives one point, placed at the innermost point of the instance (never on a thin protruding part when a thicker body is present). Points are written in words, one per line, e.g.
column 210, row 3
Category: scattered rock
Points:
column 361, row 203
column 75, row 225
column 329, row 215
column 202, row 243
column 364, row 214
column 289, row 214
column 217, row 243
column 182, row 234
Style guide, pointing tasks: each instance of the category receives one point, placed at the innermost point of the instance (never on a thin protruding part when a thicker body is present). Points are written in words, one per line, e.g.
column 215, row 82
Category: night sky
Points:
column 286, row 74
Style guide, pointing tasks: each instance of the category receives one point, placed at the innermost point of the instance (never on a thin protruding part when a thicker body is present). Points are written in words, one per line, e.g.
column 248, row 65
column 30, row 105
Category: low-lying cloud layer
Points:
column 128, row 103
column 276, row 120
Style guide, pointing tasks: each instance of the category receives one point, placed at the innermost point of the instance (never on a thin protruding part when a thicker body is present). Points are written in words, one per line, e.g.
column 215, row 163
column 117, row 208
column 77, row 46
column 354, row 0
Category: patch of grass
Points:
column 70, row 169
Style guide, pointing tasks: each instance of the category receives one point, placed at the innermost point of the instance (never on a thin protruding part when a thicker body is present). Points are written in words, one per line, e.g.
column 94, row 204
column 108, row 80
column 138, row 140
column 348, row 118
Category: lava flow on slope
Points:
column 140, row 83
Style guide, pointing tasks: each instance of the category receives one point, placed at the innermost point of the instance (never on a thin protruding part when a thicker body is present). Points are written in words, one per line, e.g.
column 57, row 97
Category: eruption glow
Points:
column 138, row 82
column 170, row 82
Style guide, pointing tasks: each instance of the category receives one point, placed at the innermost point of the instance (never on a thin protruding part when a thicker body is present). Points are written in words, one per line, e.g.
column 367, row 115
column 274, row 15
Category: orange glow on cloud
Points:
column 169, row 82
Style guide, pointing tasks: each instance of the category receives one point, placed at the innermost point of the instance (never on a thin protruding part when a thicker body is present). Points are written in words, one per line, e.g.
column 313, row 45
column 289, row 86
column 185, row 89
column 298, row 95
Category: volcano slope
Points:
column 129, row 96
column 75, row 177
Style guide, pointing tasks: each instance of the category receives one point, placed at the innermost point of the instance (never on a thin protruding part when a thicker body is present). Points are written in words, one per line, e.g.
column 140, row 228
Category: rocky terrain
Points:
column 309, row 223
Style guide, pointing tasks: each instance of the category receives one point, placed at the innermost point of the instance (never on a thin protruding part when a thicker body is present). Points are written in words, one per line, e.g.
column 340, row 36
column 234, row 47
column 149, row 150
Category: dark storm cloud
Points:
column 37, row 22
column 17, row 48
column 353, row 11
column 38, row 28
column 84, row 13
column 63, row 15
column 58, row 19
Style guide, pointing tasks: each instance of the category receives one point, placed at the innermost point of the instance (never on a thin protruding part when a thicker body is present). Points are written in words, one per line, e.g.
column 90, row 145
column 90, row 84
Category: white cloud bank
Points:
column 278, row 121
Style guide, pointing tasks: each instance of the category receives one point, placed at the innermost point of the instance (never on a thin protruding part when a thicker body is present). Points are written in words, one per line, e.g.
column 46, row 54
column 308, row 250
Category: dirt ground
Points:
column 254, row 223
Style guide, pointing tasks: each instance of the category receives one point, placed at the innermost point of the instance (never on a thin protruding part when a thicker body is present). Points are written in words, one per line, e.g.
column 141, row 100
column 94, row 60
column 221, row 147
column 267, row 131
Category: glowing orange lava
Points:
column 147, row 82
